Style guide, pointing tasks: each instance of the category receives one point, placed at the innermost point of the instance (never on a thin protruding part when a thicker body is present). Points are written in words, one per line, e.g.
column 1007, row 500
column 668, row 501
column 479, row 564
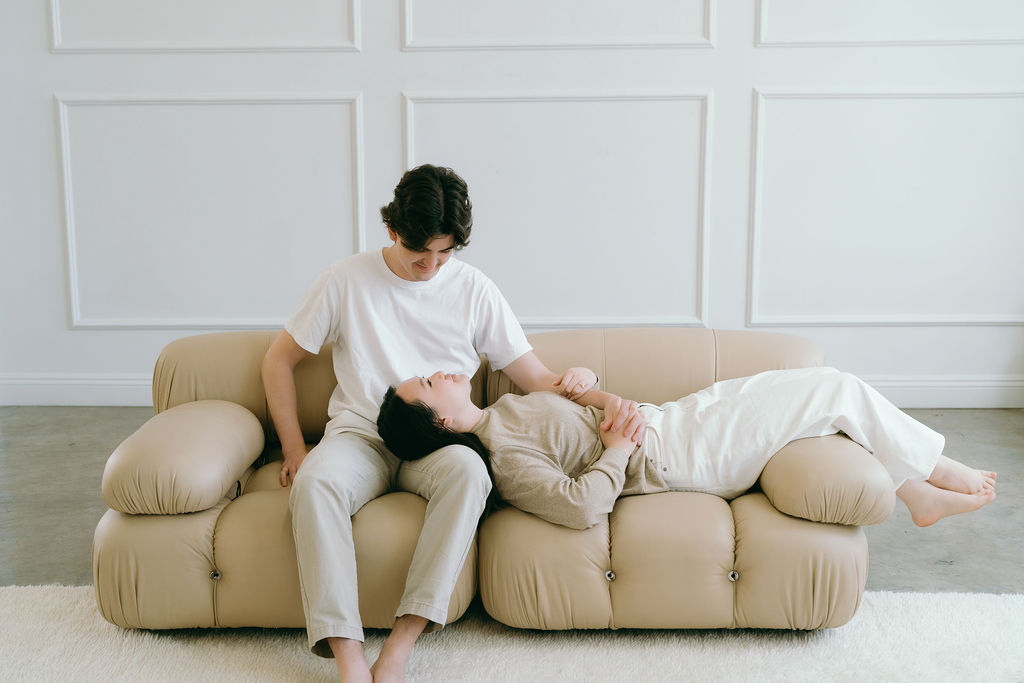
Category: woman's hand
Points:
column 575, row 382
column 623, row 416
column 616, row 438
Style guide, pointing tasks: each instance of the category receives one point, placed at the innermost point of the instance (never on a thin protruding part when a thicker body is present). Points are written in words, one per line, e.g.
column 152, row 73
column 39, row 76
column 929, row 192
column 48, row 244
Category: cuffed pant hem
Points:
column 318, row 637
column 436, row 616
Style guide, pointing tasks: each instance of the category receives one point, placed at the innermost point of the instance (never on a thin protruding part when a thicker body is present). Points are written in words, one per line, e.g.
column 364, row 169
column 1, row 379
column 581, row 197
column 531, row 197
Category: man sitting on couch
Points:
column 389, row 314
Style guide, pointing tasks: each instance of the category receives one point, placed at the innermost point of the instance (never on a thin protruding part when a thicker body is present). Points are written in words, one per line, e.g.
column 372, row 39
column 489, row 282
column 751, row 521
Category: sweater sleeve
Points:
column 533, row 483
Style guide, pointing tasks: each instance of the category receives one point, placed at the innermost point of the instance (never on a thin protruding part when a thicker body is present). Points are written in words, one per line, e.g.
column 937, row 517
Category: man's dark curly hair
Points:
column 430, row 201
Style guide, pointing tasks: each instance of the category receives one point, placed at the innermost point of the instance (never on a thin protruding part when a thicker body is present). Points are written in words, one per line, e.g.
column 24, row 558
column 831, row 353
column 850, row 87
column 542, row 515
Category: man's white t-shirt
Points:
column 385, row 329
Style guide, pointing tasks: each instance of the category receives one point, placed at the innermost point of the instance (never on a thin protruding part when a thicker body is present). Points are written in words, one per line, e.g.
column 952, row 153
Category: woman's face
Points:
column 447, row 395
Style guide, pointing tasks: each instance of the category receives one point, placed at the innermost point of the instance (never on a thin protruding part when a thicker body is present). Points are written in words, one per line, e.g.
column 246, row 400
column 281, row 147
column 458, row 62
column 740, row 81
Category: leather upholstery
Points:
column 199, row 532
column 664, row 560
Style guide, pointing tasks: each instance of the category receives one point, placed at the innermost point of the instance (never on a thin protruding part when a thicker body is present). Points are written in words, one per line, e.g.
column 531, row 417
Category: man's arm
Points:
column 530, row 374
column 278, row 371
column 576, row 384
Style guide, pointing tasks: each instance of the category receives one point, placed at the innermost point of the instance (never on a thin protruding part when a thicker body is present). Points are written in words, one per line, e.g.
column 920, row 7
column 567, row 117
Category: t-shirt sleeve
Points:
column 535, row 484
column 312, row 325
column 498, row 332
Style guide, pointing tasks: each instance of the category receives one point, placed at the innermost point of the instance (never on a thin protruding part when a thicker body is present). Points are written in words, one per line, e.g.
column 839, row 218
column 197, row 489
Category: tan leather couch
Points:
column 199, row 534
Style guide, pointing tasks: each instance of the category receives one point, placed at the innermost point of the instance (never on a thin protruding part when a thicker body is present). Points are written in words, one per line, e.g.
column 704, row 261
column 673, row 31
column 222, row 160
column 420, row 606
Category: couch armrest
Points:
column 829, row 479
column 185, row 459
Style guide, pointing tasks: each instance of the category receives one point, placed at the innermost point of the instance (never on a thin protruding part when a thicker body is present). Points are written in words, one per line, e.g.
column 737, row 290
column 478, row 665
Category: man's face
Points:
column 419, row 266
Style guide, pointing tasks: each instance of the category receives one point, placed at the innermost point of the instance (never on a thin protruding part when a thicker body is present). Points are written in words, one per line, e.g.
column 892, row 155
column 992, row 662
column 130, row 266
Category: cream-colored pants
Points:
column 718, row 440
column 344, row 472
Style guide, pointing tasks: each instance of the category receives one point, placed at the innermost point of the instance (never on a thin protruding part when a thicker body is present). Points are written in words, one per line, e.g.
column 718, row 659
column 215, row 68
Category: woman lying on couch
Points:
column 567, row 464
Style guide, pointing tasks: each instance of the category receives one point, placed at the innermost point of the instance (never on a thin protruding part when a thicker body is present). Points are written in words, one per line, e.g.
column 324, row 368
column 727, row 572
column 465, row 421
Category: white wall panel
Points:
column 483, row 24
column 873, row 22
column 204, row 25
column 192, row 212
column 200, row 177
column 888, row 209
column 561, row 222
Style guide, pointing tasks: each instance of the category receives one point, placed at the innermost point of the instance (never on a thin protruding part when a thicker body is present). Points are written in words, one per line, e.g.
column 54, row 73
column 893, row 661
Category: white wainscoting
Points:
column 949, row 391
column 578, row 223
column 825, row 23
column 845, row 171
column 204, row 25
column 178, row 208
column 531, row 24
column 868, row 205
column 76, row 389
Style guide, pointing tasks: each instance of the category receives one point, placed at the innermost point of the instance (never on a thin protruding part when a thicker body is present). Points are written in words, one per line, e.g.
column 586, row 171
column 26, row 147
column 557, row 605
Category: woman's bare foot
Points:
column 956, row 476
column 928, row 503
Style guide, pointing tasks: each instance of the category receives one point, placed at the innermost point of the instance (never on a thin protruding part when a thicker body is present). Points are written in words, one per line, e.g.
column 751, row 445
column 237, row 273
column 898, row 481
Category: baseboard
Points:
column 26, row 389
column 951, row 391
column 906, row 391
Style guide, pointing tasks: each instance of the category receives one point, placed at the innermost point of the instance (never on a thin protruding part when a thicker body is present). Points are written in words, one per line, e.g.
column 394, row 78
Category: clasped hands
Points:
column 623, row 425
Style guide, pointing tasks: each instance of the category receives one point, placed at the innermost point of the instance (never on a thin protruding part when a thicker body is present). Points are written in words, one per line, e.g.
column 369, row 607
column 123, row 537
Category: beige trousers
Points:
column 344, row 472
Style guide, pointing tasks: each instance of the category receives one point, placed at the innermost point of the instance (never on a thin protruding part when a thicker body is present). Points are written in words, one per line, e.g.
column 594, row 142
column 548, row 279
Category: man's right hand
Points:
column 278, row 372
column 290, row 467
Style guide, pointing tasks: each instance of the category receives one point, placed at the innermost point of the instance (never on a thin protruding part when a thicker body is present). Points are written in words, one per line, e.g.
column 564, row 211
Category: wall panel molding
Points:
column 67, row 103
column 1012, row 32
column 64, row 40
column 950, row 391
column 411, row 41
column 756, row 317
column 135, row 389
column 81, row 389
column 702, row 276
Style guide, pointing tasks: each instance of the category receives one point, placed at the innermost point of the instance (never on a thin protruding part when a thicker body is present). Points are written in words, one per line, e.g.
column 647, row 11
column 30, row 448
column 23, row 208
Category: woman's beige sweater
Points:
column 548, row 459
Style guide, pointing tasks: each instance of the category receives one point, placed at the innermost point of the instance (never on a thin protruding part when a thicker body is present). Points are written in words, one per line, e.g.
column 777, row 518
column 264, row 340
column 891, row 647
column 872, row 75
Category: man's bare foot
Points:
column 928, row 503
column 956, row 476
column 348, row 656
column 394, row 654
column 388, row 671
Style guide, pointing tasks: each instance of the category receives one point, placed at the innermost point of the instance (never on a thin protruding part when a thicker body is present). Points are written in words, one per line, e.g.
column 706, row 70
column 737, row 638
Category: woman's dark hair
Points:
column 413, row 430
column 430, row 201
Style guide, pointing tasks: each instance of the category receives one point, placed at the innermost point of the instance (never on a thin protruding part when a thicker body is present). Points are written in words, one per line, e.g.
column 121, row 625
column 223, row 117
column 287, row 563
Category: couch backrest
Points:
column 646, row 364
column 226, row 366
column 660, row 364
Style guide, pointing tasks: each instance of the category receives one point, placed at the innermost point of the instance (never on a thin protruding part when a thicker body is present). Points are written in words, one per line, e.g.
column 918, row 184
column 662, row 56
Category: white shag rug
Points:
column 55, row 633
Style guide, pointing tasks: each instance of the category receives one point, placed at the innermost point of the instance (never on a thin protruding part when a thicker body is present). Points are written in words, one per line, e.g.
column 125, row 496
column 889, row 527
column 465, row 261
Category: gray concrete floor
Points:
column 51, row 463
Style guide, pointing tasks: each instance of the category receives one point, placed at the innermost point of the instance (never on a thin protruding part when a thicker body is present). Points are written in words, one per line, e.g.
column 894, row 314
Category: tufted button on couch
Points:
column 199, row 534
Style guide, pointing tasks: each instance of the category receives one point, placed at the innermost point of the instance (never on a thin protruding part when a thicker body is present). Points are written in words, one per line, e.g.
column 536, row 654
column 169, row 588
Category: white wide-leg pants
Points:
column 344, row 472
column 718, row 440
